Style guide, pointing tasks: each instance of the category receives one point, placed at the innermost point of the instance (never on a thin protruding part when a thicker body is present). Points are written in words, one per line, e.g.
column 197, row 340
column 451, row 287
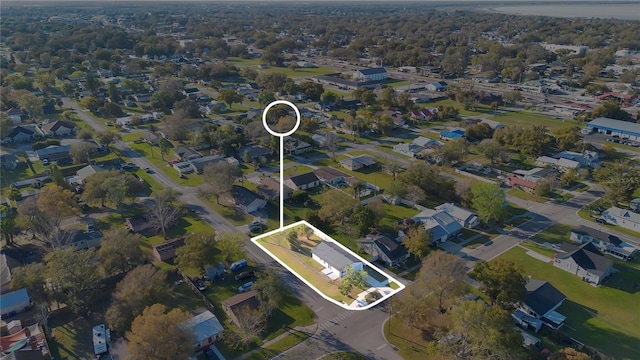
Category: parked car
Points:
column 246, row 275
column 240, row 264
column 245, row 287
column 601, row 221
column 148, row 170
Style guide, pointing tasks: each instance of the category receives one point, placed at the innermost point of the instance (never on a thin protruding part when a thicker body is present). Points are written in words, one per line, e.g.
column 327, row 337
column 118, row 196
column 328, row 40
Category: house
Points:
column 423, row 115
column 15, row 115
column 167, row 250
column 370, row 74
column 80, row 239
column 384, row 250
column 303, row 181
column 607, row 243
column 426, row 143
column 54, row 153
column 19, row 134
column 561, row 164
column 269, row 188
column 142, row 97
column 245, row 302
column 441, row 225
column 358, row 162
column 138, row 223
column 255, row 152
column 246, row 199
column 541, row 302
column 622, row 217
column 101, row 338
column 199, row 164
column 185, row 153
column 334, row 259
column 6, row 263
column 409, row 149
column 634, row 205
column 465, row 217
column 8, row 161
column 83, row 173
column 205, row 327
column 59, row 128
column 584, row 261
column 297, row 147
column 526, row 180
column 589, row 159
column 190, row 91
column 331, row 176
column 397, row 118
column 452, row 135
column 437, row 86
column 14, row 302
column 216, row 107
column 150, row 138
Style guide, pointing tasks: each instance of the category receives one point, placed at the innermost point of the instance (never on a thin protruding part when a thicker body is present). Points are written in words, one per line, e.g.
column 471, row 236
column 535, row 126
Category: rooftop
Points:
column 203, row 326
column 542, row 296
column 615, row 124
column 334, row 255
column 303, row 179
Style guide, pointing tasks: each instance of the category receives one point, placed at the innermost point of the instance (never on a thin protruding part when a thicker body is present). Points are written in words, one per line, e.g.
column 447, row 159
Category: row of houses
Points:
column 26, row 133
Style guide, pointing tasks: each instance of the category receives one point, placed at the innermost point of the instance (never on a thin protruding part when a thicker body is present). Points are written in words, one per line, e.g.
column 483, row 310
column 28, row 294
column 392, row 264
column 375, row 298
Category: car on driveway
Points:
column 601, row 221
column 245, row 287
column 246, row 275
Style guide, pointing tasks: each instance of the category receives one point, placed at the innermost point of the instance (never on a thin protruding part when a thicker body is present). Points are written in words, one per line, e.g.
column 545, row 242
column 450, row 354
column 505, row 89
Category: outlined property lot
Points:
column 321, row 263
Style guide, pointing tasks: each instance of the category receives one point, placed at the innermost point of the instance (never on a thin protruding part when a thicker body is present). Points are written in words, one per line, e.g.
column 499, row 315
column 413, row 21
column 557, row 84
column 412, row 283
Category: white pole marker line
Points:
column 281, row 136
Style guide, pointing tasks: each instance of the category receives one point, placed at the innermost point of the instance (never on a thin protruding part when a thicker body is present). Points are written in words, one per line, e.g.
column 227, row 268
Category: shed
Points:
column 14, row 302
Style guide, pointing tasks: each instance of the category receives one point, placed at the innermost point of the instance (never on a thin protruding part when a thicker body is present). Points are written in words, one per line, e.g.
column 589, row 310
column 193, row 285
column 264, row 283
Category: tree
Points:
column 107, row 138
column 331, row 143
column 491, row 149
column 230, row 96
column 489, row 202
column 453, row 150
column 74, row 276
column 8, row 225
column 543, row 188
column 114, row 94
column 231, row 247
column 120, row 251
column 352, row 279
column 165, row 210
column 220, row 177
column 417, row 241
column 611, row 109
column 251, row 323
column 569, row 354
column 502, row 281
column 569, row 177
column 266, row 97
column 98, row 187
column 512, row 97
column 141, row 287
column 481, row 331
column 32, row 105
column 361, row 221
column 379, row 211
column 620, row 180
column 335, row 206
column 156, row 335
column 329, row 97
column 80, row 152
column 388, row 96
column 311, row 89
column 567, row 138
column 198, row 251
column 164, row 146
column 269, row 292
column 33, row 278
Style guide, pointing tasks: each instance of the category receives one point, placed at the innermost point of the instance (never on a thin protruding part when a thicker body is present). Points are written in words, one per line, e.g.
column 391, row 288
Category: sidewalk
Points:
column 309, row 330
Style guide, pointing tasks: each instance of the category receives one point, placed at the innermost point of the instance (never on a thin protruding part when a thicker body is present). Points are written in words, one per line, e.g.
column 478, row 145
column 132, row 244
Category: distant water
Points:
column 606, row 11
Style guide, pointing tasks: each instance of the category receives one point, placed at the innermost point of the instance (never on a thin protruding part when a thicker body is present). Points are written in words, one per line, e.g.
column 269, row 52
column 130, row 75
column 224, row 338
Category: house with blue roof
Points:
column 452, row 135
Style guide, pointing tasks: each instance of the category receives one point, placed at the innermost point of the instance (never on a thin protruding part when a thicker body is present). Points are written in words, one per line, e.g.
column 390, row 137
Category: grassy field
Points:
column 394, row 213
column 555, row 234
column 526, row 196
column 228, row 211
column 482, row 109
column 527, row 119
column 603, row 317
column 268, row 352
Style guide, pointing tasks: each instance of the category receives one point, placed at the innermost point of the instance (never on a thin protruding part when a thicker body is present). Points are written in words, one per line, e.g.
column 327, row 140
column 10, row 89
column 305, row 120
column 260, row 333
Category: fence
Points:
column 193, row 286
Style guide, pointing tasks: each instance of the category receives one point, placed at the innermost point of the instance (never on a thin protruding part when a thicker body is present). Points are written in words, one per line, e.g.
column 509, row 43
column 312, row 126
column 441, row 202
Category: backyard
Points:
column 603, row 317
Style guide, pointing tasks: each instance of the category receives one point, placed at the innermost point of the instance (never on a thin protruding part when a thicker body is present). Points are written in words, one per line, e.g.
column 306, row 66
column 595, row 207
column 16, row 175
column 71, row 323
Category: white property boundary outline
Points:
column 327, row 238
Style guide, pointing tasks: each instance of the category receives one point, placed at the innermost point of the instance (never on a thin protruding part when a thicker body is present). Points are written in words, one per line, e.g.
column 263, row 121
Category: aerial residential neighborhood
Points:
column 464, row 181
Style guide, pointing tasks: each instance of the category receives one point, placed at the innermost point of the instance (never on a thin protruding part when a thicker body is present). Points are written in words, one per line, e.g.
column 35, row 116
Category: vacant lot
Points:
column 604, row 317
column 527, row 119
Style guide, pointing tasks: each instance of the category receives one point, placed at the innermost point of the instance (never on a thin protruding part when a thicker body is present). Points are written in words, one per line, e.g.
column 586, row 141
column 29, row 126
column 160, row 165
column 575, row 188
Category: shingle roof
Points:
column 88, row 170
column 542, row 296
column 304, row 179
column 587, row 257
column 328, row 173
column 597, row 235
column 56, row 125
column 19, row 129
column 244, row 299
column 334, row 255
column 390, row 248
column 371, row 71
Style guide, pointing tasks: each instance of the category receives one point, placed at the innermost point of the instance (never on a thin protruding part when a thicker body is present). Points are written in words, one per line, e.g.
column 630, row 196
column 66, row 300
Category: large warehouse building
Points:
column 623, row 129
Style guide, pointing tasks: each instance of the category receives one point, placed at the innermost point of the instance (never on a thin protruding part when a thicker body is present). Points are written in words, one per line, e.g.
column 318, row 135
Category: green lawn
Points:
column 526, row 196
column 394, row 213
column 605, row 317
column 411, row 342
column 532, row 245
column 514, row 210
column 482, row 109
column 152, row 154
column 268, row 352
column 343, row 356
column 229, row 212
column 585, row 215
column 301, row 72
column 297, row 170
column 526, row 119
column 555, row 234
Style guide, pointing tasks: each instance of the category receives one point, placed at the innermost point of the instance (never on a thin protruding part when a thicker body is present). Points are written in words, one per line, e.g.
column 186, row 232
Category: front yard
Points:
column 603, row 317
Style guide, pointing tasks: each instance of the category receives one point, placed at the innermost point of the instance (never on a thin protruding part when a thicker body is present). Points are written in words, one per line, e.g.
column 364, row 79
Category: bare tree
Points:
column 332, row 143
column 220, row 178
column 165, row 210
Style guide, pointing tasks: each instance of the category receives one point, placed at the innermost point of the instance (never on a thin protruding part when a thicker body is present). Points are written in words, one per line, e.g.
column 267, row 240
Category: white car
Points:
column 245, row 287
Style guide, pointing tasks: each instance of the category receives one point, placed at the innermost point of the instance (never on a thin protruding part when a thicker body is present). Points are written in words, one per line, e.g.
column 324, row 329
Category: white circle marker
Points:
column 275, row 133
column 281, row 136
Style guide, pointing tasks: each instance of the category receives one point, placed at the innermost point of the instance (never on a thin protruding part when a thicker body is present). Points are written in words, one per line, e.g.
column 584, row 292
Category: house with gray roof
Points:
column 54, row 152
column 303, row 181
column 622, row 217
column 8, row 161
column 465, row 217
column 606, row 243
column 269, row 188
column 255, row 151
column 334, row 259
column 540, row 304
column 370, row 74
column 20, row 134
column 384, row 249
column 440, row 224
column 584, row 261
column 409, row 149
column 246, row 200
column 205, row 327
column 358, row 162
column 85, row 172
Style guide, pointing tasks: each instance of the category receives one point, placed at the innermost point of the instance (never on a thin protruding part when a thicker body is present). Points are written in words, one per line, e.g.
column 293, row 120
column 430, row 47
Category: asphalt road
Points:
column 337, row 329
